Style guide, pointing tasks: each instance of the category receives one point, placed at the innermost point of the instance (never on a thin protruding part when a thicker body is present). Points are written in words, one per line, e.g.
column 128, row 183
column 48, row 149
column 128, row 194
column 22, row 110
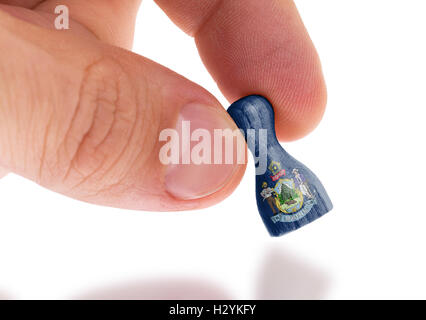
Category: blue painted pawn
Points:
column 288, row 194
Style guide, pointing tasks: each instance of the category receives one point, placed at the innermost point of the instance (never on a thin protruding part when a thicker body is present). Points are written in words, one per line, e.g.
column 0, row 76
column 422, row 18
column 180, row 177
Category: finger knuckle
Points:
column 102, row 126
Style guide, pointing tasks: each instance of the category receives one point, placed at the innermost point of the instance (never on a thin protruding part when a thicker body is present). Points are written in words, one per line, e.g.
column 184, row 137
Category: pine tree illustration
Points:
column 287, row 193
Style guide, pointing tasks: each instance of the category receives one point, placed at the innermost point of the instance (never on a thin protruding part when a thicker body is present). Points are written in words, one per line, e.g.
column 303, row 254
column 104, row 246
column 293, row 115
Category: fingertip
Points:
column 265, row 49
column 297, row 93
column 300, row 111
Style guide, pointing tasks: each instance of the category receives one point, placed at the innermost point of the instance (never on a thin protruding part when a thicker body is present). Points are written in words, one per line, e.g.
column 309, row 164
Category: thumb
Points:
column 84, row 119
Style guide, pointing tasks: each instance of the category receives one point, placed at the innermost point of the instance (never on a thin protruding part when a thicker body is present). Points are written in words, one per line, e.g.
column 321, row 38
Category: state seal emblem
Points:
column 290, row 197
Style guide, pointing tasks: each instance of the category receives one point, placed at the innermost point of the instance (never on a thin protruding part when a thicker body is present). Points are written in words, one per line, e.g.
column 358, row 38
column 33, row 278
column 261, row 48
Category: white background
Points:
column 369, row 152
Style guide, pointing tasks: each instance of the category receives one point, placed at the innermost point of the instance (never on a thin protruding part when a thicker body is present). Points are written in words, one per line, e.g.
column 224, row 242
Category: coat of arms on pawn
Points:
column 290, row 195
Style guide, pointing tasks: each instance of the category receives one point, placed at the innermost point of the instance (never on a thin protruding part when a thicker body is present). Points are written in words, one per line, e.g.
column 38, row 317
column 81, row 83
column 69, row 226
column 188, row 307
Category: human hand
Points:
column 81, row 115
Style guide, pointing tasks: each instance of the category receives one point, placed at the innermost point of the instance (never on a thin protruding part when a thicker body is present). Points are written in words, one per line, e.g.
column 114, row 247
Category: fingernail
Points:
column 189, row 179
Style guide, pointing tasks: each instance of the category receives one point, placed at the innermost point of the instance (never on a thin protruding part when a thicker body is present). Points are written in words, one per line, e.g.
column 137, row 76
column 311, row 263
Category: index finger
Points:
column 258, row 47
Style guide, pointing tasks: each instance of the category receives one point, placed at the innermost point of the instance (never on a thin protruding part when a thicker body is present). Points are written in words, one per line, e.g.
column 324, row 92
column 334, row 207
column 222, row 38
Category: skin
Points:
column 87, row 125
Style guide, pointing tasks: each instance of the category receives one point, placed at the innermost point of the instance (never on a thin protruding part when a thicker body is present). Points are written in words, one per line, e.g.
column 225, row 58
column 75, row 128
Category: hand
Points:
column 81, row 115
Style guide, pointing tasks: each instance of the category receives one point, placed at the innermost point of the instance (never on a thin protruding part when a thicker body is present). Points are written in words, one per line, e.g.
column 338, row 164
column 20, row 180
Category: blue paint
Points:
column 288, row 194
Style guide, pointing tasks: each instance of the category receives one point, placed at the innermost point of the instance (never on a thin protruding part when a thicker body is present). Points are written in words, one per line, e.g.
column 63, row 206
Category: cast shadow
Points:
column 285, row 276
column 4, row 297
column 282, row 276
column 165, row 289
